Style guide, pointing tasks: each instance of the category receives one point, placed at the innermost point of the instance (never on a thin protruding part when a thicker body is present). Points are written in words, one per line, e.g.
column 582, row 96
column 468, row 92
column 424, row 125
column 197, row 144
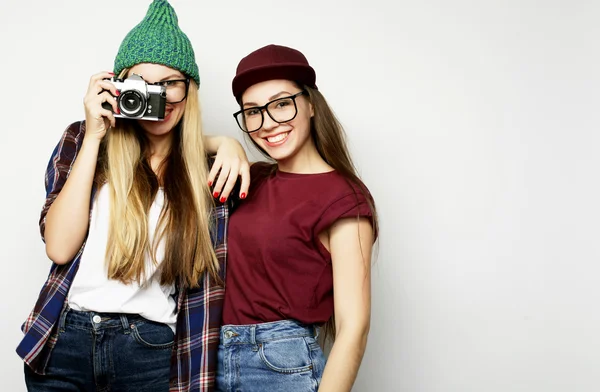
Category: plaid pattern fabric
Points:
column 194, row 358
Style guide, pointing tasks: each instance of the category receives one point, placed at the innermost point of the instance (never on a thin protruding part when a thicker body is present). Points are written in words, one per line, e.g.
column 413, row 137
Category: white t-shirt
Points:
column 93, row 291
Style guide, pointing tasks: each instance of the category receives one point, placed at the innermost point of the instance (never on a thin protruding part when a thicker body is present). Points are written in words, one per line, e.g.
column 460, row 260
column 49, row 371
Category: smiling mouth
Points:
column 277, row 139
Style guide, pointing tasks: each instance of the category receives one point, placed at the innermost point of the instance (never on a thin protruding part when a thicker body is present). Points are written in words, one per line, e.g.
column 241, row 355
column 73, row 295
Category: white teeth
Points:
column 277, row 138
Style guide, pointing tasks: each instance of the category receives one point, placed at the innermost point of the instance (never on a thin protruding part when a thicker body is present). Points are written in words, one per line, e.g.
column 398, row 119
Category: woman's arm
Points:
column 350, row 242
column 67, row 220
column 66, row 223
column 230, row 163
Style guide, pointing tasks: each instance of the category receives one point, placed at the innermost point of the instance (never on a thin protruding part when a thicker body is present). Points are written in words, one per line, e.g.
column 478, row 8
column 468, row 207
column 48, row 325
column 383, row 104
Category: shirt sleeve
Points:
column 60, row 165
column 350, row 205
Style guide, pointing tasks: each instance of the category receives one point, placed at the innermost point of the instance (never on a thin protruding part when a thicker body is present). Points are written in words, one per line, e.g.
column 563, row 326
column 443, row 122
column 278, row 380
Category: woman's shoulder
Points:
column 76, row 128
column 73, row 135
column 344, row 185
column 262, row 168
column 260, row 171
column 70, row 141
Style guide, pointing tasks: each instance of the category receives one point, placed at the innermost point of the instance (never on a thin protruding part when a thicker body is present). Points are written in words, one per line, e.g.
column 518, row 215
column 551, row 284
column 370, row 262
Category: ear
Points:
column 312, row 110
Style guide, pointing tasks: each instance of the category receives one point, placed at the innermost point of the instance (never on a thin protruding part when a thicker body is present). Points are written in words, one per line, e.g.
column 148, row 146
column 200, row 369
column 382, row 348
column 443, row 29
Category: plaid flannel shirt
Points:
column 194, row 357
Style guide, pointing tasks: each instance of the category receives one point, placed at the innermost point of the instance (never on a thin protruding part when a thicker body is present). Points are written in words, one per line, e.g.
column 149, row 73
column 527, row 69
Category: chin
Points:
column 278, row 154
column 158, row 128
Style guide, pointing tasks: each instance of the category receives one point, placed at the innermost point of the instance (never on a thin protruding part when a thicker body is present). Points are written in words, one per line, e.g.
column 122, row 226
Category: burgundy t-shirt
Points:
column 277, row 268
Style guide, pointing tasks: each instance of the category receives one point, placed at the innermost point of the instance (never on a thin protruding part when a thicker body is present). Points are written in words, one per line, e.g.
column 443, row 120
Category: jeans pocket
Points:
column 153, row 335
column 312, row 343
column 286, row 355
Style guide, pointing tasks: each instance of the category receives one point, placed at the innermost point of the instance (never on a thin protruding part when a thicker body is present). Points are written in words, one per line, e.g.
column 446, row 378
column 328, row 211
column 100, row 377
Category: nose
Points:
column 268, row 123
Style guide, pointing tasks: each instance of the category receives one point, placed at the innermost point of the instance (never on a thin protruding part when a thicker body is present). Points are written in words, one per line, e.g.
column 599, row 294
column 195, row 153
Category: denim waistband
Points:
column 264, row 332
column 96, row 320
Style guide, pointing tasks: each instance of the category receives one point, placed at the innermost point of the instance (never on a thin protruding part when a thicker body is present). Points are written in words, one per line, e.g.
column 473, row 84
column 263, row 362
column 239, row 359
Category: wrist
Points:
column 213, row 143
column 91, row 142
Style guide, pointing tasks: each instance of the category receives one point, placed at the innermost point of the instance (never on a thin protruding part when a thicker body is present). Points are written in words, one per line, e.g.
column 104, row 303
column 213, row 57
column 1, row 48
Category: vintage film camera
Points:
column 138, row 99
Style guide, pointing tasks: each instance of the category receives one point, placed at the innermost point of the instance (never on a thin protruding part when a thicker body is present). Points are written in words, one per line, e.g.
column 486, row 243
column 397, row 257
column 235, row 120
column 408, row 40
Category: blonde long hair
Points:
column 185, row 223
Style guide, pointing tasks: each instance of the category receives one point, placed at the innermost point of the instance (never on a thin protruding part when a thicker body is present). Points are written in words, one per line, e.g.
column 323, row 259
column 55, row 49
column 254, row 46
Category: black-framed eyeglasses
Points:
column 177, row 89
column 280, row 110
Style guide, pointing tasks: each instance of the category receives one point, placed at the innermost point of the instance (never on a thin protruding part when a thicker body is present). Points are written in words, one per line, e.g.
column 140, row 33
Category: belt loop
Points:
column 316, row 331
column 63, row 317
column 124, row 323
column 253, row 334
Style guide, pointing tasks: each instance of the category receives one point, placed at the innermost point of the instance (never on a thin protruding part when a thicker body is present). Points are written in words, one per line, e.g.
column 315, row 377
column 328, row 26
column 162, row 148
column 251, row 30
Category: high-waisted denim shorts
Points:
column 281, row 356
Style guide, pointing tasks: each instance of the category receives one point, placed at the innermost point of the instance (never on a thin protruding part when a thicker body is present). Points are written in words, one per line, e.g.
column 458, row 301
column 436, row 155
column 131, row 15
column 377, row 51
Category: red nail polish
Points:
column 210, row 183
column 118, row 110
column 216, row 194
column 112, row 73
column 243, row 196
column 117, row 93
column 223, row 199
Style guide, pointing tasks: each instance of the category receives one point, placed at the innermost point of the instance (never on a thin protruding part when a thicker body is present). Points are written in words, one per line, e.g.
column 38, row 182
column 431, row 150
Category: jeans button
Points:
column 96, row 319
column 228, row 334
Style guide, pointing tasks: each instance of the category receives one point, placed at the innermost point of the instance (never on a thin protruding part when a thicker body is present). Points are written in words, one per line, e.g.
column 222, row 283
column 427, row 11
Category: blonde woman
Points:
column 133, row 300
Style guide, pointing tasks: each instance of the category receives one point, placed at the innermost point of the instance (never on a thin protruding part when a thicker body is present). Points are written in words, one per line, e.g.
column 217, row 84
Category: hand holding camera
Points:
column 109, row 97
column 98, row 118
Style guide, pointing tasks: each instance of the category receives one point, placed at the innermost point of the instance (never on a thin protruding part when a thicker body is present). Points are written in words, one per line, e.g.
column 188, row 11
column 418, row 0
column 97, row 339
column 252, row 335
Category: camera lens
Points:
column 132, row 103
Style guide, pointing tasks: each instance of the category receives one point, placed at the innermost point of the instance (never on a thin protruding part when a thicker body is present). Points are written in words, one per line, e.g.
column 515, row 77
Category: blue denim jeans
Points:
column 281, row 356
column 106, row 352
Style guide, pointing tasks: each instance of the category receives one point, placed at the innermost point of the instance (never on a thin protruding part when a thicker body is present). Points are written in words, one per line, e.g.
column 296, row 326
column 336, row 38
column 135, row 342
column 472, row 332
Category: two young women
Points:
column 134, row 297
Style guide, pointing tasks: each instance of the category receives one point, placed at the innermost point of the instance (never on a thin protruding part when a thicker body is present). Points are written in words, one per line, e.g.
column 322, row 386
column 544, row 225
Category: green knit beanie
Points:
column 158, row 39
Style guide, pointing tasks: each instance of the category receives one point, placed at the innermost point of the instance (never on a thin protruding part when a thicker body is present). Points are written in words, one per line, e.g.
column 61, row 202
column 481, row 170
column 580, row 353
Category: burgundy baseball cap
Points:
column 272, row 62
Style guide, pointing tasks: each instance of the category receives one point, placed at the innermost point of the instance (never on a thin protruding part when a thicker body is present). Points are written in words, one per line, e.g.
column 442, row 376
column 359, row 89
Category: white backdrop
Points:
column 474, row 123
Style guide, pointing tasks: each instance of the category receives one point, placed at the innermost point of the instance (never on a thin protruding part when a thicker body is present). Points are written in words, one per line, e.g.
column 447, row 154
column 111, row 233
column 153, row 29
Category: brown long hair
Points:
column 185, row 222
column 330, row 140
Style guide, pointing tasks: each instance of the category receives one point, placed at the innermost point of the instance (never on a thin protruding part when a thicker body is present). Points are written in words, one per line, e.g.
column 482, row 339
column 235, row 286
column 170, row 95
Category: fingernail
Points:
column 243, row 196
column 118, row 110
column 210, row 183
column 117, row 93
column 216, row 194
column 112, row 73
column 223, row 199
